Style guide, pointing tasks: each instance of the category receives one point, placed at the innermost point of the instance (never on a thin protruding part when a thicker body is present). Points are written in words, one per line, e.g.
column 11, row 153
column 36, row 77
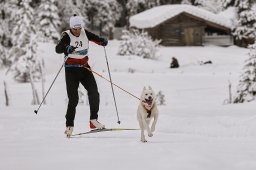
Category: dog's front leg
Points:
column 142, row 135
column 146, row 124
column 153, row 126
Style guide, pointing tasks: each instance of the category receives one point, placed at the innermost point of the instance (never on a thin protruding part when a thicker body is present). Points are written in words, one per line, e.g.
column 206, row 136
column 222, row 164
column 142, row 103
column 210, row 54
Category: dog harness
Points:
column 149, row 113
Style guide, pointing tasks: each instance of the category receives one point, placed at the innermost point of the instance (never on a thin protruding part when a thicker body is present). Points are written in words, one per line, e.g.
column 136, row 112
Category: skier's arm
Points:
column 61, row 47
column 96, row 39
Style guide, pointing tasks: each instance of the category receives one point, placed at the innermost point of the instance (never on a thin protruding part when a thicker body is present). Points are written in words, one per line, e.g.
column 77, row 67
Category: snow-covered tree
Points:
column 4, row 26
column 24, row 50
column 136, row 6
column 245, row 31
column 67, row 9
column 49, row 21
column 103, row 15
column 188, row 2
column 246, row 90
column 228, row 3
column 213, row 6
column 164, row 2
column 138, row 43
column 5, row 32
column 108, row 14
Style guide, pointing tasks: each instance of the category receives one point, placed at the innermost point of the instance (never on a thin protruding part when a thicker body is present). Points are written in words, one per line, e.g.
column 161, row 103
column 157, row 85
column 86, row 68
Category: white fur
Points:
column 142, row 114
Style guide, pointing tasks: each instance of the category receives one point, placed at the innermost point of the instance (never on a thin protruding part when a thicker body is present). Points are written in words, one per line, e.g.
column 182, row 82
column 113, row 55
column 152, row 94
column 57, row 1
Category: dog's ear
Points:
column 144, row 88
column 149, row 87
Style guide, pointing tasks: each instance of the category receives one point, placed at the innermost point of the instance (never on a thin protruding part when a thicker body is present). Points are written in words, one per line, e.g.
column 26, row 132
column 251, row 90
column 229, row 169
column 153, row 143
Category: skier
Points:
column 74, row 43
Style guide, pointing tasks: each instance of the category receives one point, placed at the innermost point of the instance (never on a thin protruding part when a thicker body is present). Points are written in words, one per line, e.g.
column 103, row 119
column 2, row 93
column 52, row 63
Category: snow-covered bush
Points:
column 246, row 90
column 125, row 47
column 160, row 98
column 138, row 43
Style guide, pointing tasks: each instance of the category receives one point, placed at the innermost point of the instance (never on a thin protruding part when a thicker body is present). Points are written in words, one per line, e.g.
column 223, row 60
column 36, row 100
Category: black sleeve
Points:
column 62, row 44
column 93, row 37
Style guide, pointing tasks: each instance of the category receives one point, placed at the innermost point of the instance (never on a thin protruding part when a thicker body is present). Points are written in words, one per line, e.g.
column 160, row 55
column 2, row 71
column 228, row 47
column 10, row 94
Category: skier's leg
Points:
column 88, row 81
column 72, row 84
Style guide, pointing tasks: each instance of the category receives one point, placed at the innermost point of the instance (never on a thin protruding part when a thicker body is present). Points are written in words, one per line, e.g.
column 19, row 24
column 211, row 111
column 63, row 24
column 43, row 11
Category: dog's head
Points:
column 148, row 97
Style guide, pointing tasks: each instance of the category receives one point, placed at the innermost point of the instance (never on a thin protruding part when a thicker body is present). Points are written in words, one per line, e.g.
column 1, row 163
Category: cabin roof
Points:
column 157, row 15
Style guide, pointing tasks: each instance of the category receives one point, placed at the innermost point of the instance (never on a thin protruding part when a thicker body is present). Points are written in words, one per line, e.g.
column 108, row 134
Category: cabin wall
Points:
column 186, row 30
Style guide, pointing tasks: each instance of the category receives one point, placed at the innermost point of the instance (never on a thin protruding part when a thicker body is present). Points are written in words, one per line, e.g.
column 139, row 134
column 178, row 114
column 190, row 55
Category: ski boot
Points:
column 94, row 124
column 69, row 131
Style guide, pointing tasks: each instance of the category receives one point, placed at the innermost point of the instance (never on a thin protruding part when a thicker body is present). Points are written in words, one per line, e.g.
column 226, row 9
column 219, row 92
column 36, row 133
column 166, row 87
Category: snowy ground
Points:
column 196, row 131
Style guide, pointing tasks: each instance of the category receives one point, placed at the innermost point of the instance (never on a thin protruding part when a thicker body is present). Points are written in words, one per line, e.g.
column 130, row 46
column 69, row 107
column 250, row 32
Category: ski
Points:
column 102, row 130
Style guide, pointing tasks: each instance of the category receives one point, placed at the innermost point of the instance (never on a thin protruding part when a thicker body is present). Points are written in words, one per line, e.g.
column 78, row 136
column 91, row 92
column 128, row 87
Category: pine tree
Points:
column 24, row 50
column 103, row 15
column 68, row 9
column 49, row 21
column 164, row 2
column 5, row 32
column 188, row 2
column 246, row 90
column 137, row 6
column 229, row 3
column 213, row 6
column 245, row 31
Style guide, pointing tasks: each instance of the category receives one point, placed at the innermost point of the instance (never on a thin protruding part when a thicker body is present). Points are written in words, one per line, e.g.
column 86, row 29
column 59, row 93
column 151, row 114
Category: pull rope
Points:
column 89, row 69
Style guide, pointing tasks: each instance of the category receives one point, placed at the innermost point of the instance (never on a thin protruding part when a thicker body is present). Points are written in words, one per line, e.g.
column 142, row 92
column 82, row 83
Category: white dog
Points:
column 147, row 111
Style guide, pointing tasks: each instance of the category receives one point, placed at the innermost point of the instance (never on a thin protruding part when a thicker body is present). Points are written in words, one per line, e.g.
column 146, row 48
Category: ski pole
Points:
column 111, row 85
column 65, row 59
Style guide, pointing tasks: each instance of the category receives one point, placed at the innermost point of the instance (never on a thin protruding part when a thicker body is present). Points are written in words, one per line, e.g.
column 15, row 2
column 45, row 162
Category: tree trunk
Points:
column 43, row 79
column 229, row 91
column 35, row 99
column 111, row 34
column 6, row 94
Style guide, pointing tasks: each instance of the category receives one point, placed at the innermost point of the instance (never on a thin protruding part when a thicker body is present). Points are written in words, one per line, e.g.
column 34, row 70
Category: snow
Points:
column 195, row 131
column 154, row 16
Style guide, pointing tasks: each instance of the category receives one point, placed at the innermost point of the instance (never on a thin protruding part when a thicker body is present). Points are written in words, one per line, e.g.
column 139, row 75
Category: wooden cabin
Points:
column 184, row 25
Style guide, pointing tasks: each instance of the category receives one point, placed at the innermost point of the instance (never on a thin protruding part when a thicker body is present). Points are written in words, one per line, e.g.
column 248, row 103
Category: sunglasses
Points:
column 77, row 28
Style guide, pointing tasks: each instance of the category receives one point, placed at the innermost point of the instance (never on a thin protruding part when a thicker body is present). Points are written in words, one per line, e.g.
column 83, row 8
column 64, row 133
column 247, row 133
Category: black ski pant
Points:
column 74, row 76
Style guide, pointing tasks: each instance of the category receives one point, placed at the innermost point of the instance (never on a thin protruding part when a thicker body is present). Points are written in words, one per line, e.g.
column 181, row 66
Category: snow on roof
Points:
column 154, row 16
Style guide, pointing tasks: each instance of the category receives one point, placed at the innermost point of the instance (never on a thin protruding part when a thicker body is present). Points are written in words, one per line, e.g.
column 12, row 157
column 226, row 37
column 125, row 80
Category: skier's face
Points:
column 76, row 31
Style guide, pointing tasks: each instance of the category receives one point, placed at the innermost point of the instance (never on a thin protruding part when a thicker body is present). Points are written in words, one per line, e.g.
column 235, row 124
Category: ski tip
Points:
column 35, row 111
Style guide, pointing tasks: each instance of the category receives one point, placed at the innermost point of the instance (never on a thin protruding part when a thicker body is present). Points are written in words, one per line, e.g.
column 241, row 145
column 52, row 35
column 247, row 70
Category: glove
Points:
column 104, row 42
column 70, row 49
